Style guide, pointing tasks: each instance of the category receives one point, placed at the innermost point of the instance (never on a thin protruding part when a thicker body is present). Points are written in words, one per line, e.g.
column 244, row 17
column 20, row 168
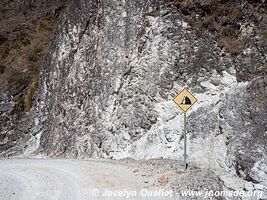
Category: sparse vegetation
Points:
column 42, row 26
column 23, row 45
column 221, row 19
column 264, row 36
column 234, row 46
column 25, row 41
column 32, row 87
column 15, row 44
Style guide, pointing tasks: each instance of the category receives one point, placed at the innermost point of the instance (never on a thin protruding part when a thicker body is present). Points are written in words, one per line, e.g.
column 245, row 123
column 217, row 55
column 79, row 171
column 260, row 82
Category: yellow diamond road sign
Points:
column 185, row 100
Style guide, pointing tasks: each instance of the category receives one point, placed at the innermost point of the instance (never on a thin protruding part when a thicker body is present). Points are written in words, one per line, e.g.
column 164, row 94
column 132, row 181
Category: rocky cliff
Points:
column 26, row 29
column 113, row 68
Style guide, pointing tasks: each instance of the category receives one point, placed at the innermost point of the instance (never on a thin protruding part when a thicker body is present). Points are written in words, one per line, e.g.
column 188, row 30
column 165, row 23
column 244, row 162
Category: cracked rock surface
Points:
column 112, row 70
column 107, row 84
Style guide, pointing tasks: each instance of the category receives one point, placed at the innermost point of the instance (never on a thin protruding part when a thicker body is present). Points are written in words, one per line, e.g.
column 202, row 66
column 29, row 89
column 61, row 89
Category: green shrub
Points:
column 264, row 36
column 31, row 88
column 42, row 26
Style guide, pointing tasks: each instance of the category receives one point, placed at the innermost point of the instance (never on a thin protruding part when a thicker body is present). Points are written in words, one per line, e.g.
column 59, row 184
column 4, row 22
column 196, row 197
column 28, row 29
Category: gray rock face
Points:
column 107, row 85
column 112, row 71
column 246, row 114
column 14, row 129
column 204, row 181
column 109, row 65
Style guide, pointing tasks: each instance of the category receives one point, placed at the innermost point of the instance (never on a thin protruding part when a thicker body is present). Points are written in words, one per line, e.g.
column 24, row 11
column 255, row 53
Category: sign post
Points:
column 185, row 165
column 185, row 100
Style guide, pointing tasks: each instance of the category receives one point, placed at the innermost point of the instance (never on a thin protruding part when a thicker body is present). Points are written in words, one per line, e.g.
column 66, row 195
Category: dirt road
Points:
column 30, row 179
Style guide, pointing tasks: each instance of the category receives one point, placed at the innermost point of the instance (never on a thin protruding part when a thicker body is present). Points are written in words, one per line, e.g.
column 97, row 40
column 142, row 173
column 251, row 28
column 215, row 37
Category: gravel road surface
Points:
column 33, row 179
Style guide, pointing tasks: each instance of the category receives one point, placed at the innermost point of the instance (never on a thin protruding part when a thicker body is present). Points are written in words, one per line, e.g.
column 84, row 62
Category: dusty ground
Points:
column 155, row 179
column 31, row 179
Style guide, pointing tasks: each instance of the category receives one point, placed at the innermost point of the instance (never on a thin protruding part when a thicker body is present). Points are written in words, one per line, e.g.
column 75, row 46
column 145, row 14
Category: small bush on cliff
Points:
column 42, row 26
column 30, row 92
column 264, row 36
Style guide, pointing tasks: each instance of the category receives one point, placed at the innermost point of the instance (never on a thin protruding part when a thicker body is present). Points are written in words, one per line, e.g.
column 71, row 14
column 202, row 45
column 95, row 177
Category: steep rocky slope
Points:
column 107, row 83
column 113, row 68
column 112, row 71
column 26, row 30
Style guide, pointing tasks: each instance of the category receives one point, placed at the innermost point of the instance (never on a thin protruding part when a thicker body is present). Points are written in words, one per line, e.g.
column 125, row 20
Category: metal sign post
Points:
column 185, row 165
column 185, row 100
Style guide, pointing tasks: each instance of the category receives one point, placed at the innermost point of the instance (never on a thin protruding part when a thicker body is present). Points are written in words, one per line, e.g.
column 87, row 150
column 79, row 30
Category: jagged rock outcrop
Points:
column 112, row 71
column 107, row 84
column 26, row 30
column 113, row 68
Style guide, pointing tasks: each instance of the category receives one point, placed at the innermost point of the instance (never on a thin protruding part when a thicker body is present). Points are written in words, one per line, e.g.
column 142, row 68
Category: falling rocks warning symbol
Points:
column 186, row 101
